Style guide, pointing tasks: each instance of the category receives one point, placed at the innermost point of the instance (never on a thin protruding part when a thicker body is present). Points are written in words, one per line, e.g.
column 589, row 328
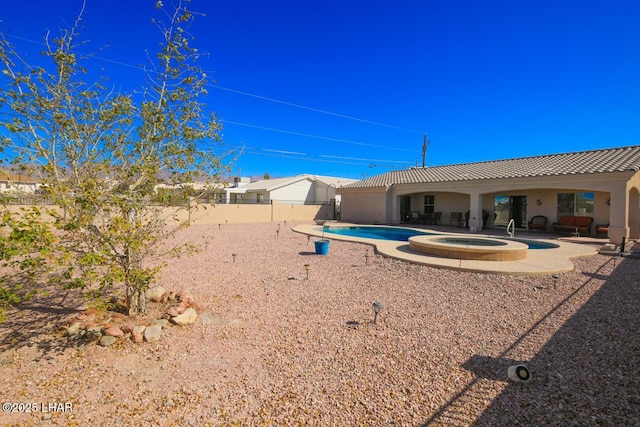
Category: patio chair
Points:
column 426, row 218
column 538, row 222
column 435, row 219
column 455, row 218
column 414, row 217
column 602, row 230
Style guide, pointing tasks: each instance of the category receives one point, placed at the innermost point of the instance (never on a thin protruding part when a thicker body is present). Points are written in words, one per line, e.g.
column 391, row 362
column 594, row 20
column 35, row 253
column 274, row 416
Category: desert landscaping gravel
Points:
column 272, row 347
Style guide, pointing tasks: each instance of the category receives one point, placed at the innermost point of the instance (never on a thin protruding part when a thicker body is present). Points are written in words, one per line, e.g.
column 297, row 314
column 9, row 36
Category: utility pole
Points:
column 425, row 144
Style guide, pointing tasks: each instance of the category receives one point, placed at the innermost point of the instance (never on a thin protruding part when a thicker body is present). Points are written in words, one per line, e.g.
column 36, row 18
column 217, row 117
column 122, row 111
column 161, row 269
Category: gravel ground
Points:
column 273, row 347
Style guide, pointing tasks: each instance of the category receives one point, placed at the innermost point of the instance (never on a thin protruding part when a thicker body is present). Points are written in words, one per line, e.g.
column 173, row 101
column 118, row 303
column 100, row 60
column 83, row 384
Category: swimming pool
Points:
column 403, row 234
column 380, row 233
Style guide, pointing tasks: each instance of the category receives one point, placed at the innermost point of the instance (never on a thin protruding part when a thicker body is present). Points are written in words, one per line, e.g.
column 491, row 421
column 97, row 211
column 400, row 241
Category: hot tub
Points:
column 469, row 247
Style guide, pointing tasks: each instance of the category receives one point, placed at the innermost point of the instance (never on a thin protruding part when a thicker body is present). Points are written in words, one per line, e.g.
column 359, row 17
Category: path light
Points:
column 555, row 280
column 277, row 232
column 234, row 257
column 366, row 257
column 377, row 306
column 219, row 225
column 306, row 267
column 226, row 222
column 308, row 239
column 519, row 374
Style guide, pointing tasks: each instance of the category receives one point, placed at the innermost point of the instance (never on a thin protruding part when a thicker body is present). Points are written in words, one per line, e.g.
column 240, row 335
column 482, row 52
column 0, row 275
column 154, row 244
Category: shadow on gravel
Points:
column 37, row 322
column 585, row 374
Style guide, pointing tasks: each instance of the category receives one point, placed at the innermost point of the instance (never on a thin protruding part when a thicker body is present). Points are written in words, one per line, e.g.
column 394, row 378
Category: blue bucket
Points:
column 322, row 247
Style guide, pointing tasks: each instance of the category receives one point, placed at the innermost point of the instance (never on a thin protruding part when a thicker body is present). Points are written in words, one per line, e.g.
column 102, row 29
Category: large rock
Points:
column 189, row 316
column 74, row 329
column 152, row 333
column 155, row 294
column 184, row 298
column 107, row 340
column 137, row 333
column 113, row 331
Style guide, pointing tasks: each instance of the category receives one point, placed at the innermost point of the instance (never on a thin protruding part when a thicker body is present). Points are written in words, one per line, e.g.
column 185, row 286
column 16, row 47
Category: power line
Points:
column 315, row 110
column 346, row 141
column 248, row 94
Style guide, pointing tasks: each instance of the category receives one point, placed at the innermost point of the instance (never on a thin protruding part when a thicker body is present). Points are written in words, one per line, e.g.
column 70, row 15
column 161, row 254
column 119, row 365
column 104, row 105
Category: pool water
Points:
column 403, row 234
column 380, row 233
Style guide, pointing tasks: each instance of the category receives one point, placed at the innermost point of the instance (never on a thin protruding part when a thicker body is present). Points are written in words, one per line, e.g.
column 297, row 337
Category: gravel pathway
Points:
column 273, row 347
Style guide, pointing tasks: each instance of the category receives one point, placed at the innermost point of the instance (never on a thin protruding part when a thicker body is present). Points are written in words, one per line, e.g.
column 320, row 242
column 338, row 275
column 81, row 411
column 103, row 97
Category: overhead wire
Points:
column 273, row 100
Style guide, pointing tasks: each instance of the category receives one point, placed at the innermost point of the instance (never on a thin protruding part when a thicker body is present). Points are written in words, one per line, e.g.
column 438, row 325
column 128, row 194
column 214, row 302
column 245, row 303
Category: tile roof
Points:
column 275, row 183
column 582, row 162
column 16, row 178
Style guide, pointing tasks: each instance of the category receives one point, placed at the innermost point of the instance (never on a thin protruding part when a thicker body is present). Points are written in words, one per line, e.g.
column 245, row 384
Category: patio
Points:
column 537, row 262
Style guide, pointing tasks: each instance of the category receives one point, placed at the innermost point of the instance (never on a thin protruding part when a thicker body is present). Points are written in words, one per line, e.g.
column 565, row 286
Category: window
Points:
column 580, row 204
column 429, row 204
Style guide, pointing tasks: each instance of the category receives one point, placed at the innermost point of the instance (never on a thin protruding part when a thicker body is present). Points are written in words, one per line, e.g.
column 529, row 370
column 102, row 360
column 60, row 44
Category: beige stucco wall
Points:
column 363, row 206
column 243, row 213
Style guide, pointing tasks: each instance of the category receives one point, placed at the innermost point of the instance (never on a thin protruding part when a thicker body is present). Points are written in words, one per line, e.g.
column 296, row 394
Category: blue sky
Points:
column 348, row 88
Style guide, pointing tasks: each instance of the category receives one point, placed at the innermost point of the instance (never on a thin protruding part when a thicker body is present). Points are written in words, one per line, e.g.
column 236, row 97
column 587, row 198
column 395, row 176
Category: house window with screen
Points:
column 429, row 204
column 575, row 204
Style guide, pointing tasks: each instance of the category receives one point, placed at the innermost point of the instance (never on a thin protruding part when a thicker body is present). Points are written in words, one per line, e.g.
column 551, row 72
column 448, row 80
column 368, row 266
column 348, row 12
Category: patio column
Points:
column 475, row 212
column 618, row 216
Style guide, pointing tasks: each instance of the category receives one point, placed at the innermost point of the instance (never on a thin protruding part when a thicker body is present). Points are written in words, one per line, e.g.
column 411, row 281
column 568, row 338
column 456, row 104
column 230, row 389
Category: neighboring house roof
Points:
column 16, row 178
column 582, row 162
column 276, row 183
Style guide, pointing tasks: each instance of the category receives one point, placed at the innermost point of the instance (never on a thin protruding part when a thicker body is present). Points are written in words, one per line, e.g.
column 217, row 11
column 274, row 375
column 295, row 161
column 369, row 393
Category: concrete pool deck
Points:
column 537, row 262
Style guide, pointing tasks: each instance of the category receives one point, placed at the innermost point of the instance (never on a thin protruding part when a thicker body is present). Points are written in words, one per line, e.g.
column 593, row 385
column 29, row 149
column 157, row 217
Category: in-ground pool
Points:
column 380, row 233
column 403, row 234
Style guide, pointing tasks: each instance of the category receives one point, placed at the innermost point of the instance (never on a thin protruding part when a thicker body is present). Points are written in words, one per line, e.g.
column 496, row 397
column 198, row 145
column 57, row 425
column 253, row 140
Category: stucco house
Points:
column 17, row 183
column 602, row 184
column 296, row 190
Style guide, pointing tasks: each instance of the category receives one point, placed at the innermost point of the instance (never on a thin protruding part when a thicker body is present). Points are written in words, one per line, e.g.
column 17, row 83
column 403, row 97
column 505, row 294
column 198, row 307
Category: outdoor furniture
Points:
column 602, row 230
column 538, row 222
column 414, row 217
column 455, row 218
column 435, row 219
column 485, row 217
column 576, row 225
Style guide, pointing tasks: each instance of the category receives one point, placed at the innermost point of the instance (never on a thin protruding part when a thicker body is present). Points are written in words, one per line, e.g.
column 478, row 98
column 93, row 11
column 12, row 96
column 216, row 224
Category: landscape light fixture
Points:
column 277, row 232
column 555, row 280
column 519, row 374
column 308, row 238
column 306, row 267
column 366, row 257
column 377, row 306
column 234, row 257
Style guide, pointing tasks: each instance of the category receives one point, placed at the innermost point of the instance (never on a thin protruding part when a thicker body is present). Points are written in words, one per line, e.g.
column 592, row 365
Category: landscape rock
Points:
column 107, row 340
column 94, row 332
column 137, row 333
column 152, row 333
column 155, row 294
column 113, row 331
column 184, row 298
column 74, row 329
column 186, row 318
column 126, row 328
